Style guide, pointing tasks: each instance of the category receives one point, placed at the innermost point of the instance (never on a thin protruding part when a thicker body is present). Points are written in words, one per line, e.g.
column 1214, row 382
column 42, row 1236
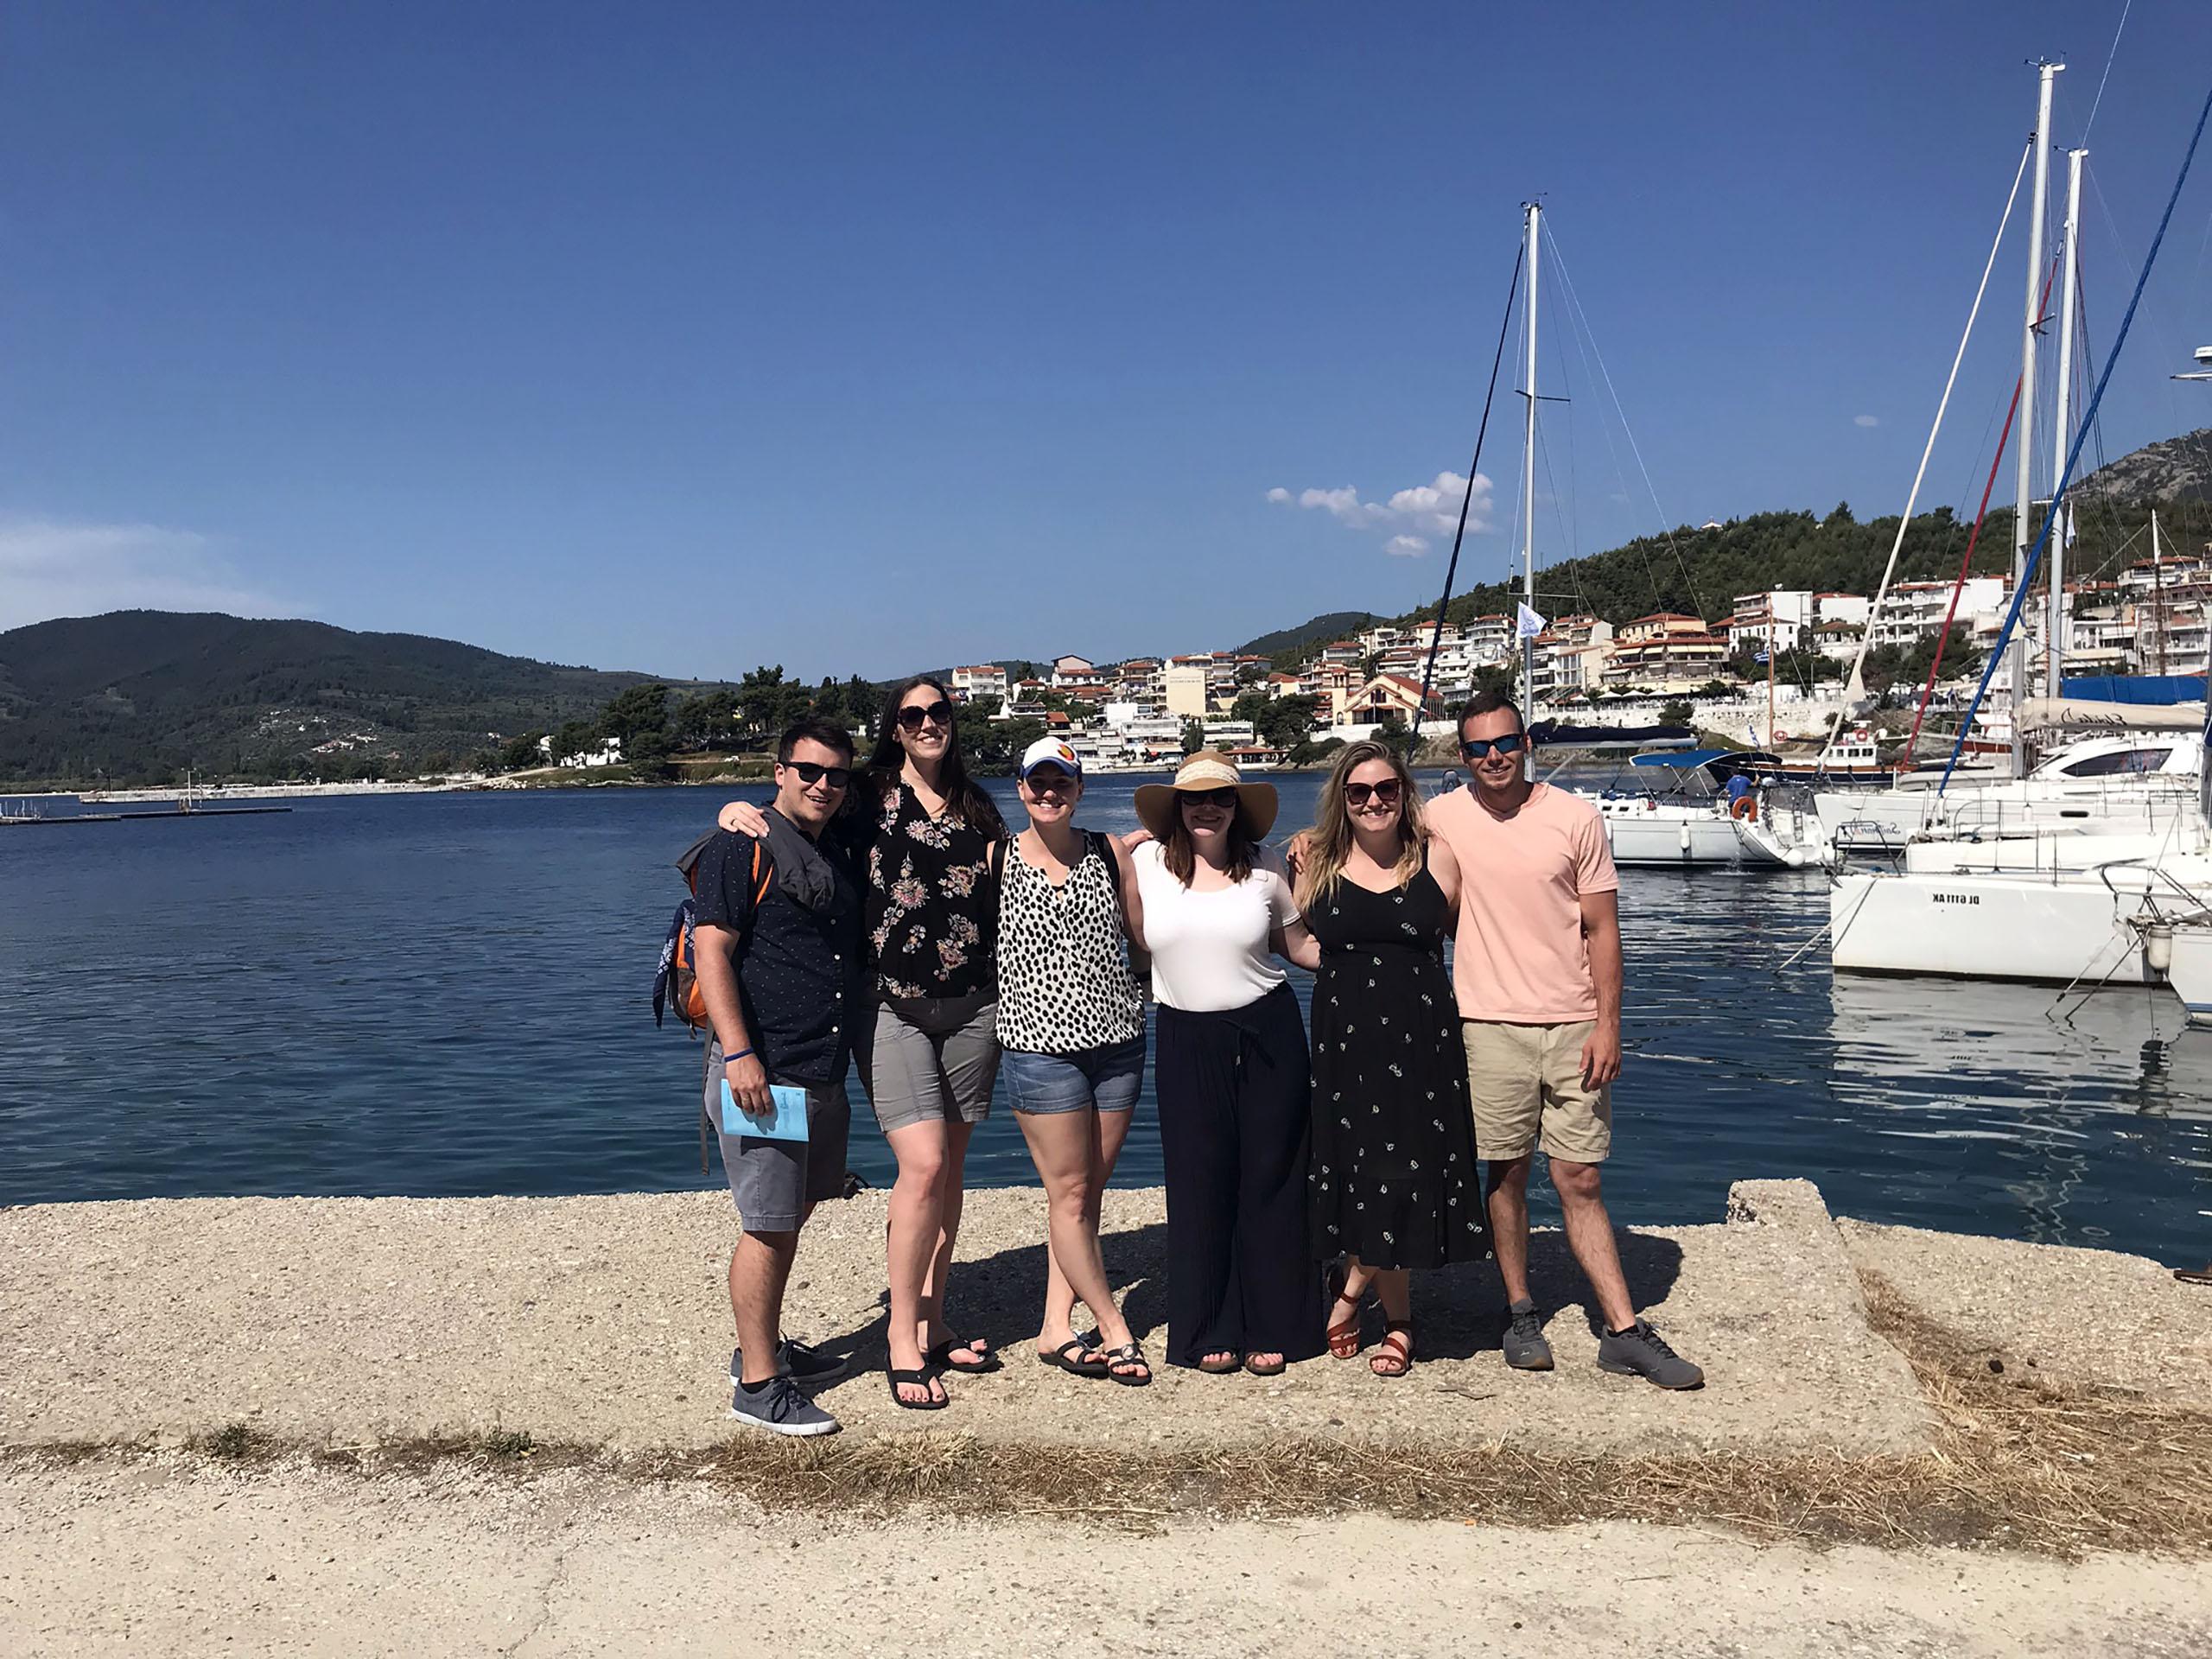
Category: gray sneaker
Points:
column 805, row 1365
column 1525, row 1347
column 778, row 1407
column 1641, row 1351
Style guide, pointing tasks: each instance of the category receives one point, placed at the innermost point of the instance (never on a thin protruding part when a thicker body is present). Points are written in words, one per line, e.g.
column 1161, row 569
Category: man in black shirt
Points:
column 776, row 941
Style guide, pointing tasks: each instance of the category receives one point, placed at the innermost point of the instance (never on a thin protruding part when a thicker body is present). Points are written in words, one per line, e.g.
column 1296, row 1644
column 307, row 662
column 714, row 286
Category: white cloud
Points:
column 1414, row 514
column 50, row 569
column 1866, row 420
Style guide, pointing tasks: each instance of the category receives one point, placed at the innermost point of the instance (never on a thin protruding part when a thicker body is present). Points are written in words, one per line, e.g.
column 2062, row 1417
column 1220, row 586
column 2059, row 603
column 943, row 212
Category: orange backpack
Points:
column 677, row 980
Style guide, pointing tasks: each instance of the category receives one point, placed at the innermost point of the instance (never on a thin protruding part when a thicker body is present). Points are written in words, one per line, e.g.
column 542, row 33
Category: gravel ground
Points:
column 117, row 1556
column 2074, row 1316
column 604, row 1320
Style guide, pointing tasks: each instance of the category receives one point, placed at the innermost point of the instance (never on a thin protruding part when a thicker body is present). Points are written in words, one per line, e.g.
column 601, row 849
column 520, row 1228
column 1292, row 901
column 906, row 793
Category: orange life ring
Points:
column 1744, row 806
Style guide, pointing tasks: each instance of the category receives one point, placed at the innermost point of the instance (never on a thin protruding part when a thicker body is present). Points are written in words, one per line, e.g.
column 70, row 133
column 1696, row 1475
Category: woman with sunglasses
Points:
column 920, row 830
column 1231, row 1070
column 1394, row 1181
column 1071, row 1021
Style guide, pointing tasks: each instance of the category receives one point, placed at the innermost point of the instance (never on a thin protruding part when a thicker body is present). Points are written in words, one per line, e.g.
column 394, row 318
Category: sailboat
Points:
column 2101, row 902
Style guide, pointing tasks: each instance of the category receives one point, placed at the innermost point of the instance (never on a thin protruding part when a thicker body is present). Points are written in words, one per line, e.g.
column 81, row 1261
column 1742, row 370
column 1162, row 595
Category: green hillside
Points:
column 139, row 696
column 1699, row 572
column 1320, row 631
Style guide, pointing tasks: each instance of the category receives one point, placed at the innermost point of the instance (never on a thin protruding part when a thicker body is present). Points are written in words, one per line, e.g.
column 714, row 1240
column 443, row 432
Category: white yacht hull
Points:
column 1671, row 837
column 2068, row 925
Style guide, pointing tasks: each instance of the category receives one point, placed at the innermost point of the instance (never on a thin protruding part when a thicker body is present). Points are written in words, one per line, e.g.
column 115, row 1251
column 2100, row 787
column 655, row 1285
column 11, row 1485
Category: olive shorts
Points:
column 1525, row 1082
column 927, row 1059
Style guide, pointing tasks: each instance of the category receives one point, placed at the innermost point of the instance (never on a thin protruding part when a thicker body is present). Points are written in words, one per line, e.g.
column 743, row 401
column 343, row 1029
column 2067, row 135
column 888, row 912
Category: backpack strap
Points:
column 998, row 861
column 1102, row 844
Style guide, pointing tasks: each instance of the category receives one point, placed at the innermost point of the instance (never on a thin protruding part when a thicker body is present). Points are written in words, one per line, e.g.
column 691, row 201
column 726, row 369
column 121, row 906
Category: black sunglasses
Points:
column 1224, row 797
column 813, row 772
column 1386, row 792
column 936, row 713
column 1476, row 748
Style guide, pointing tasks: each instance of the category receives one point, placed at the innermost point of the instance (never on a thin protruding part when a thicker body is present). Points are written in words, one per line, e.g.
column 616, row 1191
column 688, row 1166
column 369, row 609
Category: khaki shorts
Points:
column 1525, row 1082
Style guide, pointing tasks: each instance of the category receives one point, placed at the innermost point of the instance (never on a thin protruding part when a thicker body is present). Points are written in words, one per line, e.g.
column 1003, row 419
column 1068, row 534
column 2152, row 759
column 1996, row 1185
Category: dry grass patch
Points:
column 2019, row 1463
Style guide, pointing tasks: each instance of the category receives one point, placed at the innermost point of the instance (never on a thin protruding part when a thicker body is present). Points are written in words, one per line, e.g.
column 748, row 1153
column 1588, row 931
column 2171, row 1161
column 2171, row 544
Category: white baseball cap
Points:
column 1051, row 752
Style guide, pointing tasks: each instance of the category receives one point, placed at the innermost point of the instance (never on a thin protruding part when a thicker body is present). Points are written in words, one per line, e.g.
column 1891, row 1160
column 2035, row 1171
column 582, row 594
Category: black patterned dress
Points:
column 1393, row 1178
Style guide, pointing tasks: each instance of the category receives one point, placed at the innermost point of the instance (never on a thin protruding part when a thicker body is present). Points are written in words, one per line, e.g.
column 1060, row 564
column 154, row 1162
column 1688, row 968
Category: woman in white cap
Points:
column 1072, row 1026
column 1231, row 1072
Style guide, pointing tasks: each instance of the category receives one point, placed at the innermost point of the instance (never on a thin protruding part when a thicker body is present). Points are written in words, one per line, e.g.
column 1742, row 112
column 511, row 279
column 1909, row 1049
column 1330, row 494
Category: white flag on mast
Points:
column 1531, row 625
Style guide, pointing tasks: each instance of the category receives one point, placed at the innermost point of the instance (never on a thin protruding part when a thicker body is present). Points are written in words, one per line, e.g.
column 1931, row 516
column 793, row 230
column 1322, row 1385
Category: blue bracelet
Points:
column 741, row 1054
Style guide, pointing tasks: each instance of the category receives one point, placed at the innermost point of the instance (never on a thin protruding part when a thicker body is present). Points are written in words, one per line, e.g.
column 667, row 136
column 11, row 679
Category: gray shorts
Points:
column 930, row 1057
column 773, row 1182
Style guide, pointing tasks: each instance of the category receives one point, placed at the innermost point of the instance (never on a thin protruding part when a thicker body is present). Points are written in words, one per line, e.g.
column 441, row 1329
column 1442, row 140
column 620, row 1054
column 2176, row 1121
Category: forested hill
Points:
column 138, row 694
column 1699, row 572
column 1318, row 631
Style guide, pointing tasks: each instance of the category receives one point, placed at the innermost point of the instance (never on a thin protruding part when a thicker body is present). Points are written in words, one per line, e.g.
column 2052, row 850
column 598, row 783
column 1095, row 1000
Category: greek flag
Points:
column 1760, row 656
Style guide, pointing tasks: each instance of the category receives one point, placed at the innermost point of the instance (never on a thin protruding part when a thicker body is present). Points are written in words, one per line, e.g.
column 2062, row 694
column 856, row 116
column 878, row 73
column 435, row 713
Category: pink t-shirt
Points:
column 1519, row 956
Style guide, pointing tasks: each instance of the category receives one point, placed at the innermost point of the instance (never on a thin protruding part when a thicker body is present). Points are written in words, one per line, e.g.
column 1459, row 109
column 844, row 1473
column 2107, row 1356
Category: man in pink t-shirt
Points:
column 1536, row 965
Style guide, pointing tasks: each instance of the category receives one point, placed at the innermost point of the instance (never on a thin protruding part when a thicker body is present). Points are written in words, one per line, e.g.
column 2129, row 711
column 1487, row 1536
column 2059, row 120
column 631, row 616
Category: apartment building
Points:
column 1490, row 640
column 1667, row 651
column 2169, row 597
column 1783, row 615
column 1184, row 687
column 984, row 680
column 1914, row 610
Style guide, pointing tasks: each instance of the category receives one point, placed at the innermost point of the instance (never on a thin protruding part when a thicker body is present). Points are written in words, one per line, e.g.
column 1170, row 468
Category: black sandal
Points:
column 1227, row 1365
column 922, row 1379
column 1059, row 1360
column 941, row 1357
column 1275, row 1370
column 1129, row 1353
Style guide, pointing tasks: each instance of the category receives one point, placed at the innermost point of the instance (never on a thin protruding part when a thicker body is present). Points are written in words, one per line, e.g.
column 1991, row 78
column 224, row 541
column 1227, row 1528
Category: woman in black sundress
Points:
column 1393, row 1181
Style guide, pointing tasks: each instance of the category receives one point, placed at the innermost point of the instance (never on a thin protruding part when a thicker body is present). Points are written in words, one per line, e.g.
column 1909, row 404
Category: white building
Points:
column 1914, row 610
column 1184, row 687
column 984, row 680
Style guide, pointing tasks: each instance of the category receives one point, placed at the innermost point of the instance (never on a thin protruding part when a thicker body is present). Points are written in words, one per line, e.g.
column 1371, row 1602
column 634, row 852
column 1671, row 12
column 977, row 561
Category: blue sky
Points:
column 861, row 338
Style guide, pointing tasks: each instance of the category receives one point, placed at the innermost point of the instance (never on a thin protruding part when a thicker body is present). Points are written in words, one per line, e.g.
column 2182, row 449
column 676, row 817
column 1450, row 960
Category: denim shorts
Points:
column 1108, row 1078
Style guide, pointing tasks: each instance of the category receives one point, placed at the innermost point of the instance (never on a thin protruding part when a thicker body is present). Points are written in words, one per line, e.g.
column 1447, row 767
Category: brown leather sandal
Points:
column 1396, row 1351
column 1345, row 1340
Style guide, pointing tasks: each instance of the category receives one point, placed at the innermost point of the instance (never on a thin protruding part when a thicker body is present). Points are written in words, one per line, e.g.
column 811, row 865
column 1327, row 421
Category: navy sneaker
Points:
column 778, row 1407
column 805, row 1365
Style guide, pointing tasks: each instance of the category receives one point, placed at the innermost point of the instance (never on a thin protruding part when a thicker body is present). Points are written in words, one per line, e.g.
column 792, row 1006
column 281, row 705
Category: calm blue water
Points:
column 445, row 995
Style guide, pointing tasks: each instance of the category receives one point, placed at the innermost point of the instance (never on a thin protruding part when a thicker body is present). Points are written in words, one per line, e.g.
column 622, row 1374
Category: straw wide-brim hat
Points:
column 1209, row 769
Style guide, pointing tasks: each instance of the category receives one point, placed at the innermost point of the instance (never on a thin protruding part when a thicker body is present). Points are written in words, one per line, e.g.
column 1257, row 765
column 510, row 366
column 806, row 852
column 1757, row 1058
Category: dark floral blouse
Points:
column 931, row 919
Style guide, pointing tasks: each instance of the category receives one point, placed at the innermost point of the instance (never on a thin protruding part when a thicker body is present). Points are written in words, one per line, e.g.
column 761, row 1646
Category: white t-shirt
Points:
column 1209, row 949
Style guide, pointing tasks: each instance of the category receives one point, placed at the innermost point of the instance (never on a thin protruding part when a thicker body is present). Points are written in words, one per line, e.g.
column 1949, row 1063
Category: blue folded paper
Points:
column 788, row 1123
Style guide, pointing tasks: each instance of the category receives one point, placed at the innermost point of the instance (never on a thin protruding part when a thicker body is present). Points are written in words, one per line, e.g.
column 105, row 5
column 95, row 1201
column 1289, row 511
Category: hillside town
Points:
column 1795, row 647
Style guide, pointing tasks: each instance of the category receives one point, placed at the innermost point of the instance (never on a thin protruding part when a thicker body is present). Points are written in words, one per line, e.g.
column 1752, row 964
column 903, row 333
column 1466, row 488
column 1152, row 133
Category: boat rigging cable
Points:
column 2074, row 451
column 1854, row 689
column 1474, row 467
column 1966, row 565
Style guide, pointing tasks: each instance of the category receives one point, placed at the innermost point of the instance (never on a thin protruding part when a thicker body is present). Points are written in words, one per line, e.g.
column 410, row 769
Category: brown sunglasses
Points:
column 1387, row 792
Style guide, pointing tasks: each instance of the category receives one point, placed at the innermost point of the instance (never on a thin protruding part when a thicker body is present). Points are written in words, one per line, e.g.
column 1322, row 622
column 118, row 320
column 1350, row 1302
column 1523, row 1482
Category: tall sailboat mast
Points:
column 2054, row 641
column 1533, row 218
column 2023, row 479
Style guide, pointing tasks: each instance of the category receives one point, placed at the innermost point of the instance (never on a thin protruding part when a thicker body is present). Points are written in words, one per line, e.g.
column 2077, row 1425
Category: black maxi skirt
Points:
column 1235, row 1125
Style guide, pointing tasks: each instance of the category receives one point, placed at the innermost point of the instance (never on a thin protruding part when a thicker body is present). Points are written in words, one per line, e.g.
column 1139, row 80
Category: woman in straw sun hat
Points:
column 1231, row 1072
